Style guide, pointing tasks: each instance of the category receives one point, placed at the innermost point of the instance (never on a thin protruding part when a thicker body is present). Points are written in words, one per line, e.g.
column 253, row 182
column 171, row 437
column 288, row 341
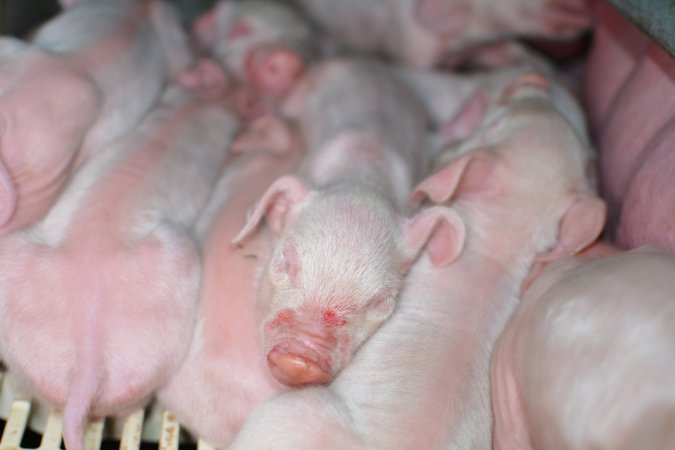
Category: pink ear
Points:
column 439, row 230
column 580, row 227
column 275, row 205
column 442, row 16
column 470, row 173
column 465, row 123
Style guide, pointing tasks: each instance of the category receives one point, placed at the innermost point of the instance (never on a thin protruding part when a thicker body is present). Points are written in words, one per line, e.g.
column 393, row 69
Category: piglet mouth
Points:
column 296, row 363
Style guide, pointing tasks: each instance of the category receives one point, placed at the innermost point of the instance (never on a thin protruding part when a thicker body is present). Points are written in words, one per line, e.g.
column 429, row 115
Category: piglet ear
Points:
column 442, row 16
column 465, row 123
column 470, row 173
column 275, row 205
column 437, row 230
column 580, row 227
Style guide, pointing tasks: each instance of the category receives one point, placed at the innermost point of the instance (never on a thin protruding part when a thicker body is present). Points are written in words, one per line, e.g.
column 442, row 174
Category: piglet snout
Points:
column 274, row 70
column 297, row 369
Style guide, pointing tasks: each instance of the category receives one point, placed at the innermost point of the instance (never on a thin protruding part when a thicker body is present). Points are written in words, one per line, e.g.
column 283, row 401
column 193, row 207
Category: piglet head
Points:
column 260, row 43
column 335, row 273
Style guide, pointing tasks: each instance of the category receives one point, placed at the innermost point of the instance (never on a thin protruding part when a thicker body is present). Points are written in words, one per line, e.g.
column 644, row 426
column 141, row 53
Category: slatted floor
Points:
column 17, row 421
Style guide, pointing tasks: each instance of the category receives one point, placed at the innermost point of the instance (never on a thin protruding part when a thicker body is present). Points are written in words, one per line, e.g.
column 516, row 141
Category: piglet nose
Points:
column 293, row 369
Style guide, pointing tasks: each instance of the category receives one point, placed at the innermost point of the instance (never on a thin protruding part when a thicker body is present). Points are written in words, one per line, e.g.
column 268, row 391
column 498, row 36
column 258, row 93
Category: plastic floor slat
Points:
column 132, row 432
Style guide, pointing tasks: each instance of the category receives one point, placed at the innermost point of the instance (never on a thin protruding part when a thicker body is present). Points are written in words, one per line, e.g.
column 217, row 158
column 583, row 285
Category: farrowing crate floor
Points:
column 19, row 410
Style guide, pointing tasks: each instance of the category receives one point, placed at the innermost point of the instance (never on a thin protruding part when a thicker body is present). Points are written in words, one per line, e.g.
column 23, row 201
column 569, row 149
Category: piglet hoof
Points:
column 206, row 78
column 274, row 70
column 296, row 370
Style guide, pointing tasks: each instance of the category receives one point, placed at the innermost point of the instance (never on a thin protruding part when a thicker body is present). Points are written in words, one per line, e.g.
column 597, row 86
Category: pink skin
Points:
column 225, row 374
column 342, row 241
column 519, row 193
column 85, row 76
column 587, row 345
column 273, row 70
column 617, row 48
column 445, row 94
column 629, row 85
column 112, row 253
column 424, row 33
column 256, row 43
column 649, row 202
column 463, row 23
column 634, row 123
column 387, row 26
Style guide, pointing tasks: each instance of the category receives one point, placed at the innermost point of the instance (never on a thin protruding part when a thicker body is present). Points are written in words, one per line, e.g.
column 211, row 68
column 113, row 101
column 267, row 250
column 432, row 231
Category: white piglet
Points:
column 343, row 242
column 98, row 300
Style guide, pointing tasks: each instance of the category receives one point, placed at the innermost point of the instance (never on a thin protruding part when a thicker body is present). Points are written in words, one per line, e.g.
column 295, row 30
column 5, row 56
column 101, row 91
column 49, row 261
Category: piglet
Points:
column 424, row 33
column 98, row 301
column 342, row 241
column 78, row 85
column 519, row 193
column 588, row 360
column 225, row 373
column 264, row 44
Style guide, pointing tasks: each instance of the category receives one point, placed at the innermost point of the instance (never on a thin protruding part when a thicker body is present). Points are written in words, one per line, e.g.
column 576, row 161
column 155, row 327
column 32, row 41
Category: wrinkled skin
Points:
column 520, row 194
column 81, row 70
column 342, row 242
column 587, row 362
column 630, row 90
column 225, row 374
column 98, row 300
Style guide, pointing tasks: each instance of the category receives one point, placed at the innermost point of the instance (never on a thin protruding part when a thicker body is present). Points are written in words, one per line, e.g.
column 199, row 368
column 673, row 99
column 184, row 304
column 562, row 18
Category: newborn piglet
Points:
column 98, row 300
column 343, row 242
